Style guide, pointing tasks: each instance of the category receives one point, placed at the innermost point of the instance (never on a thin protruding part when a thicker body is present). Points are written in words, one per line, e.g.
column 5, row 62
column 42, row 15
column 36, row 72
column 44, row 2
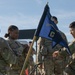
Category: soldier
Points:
column 45, row 52
column 59, row 62
column 17, row 48
column 7, row 57
column 70, row 68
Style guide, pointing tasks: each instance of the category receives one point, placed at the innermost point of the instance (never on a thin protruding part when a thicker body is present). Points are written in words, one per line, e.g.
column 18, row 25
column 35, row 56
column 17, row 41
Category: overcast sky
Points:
column 26, row 14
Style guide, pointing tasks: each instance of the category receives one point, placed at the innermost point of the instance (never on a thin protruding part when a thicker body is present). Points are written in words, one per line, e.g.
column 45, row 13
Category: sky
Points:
column 26, row 14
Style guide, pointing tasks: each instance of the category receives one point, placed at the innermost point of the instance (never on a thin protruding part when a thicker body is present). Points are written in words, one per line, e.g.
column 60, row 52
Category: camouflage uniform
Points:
column 6, row 57
column 60, row 62
column 70, row 68
column 17, row 48
column 51, row 65
column 46, row 51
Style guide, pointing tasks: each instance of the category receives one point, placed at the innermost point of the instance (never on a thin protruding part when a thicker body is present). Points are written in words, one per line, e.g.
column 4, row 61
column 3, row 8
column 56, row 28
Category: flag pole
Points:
column 47, row 3
column 27, row 57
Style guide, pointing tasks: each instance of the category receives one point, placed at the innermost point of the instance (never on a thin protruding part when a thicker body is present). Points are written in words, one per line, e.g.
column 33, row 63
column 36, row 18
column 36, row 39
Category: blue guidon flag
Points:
column 49, row 30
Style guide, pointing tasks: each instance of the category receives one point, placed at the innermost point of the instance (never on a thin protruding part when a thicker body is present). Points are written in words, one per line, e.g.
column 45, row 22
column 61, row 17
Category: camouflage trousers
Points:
column 59, row 65
column 48, row 66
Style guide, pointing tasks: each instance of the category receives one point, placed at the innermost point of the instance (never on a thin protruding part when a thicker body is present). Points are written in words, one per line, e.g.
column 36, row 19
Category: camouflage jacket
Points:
column 17, row 48
column 6, row 56
column 45, row 47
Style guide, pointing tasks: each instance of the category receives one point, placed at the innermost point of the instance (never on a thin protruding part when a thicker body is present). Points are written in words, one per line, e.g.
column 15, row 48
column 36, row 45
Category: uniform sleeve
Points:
column 8, row 55
column 40, row 42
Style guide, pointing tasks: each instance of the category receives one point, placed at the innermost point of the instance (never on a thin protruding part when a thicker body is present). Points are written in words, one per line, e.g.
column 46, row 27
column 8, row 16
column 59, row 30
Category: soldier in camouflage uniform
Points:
column 59, row 62
column 70, row 67
column 45, row 56
column 7, row 57
column 17, row 48
column 50, row 63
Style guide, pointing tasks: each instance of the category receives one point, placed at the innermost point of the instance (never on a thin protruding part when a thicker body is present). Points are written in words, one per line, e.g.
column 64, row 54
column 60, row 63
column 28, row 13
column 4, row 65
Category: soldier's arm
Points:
column 40, row 44
column 6, row 52
column 9, row 56
column 42, row 41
